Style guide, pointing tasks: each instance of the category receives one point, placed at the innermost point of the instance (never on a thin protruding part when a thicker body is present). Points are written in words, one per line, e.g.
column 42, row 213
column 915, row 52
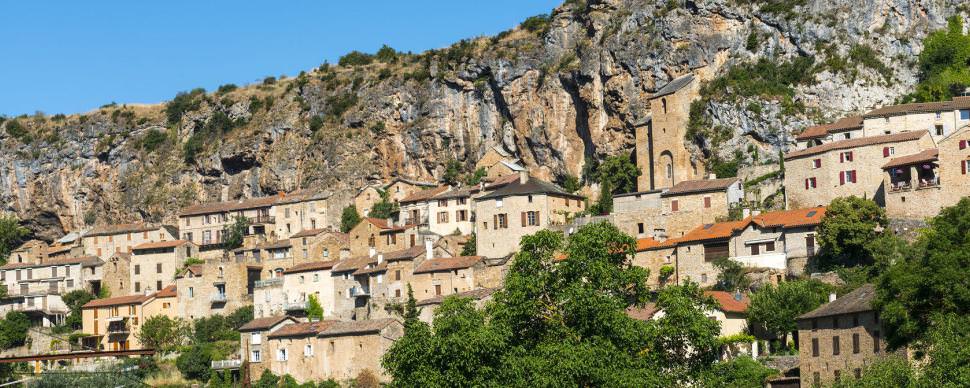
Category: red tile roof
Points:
column 263, row 323
column 857, row 142
column 160, row 244
column 713, row 231
column 447, row 264
column 86, row 261
column 301, row 329
column 167, row 292
column 700, row 186
column 312, row 266
column 790, row 218
column 961, row 102
column 729, row 302
column 425, row 195
column 845, row 123
column 930, row 155
column 118, row 301
column 341, row 328
column 648, row 243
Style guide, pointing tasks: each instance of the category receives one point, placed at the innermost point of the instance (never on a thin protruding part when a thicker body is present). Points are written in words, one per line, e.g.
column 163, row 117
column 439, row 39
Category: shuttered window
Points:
column 716, row 251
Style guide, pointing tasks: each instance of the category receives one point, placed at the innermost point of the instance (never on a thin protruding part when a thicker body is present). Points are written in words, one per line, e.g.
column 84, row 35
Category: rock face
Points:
column 572, row 88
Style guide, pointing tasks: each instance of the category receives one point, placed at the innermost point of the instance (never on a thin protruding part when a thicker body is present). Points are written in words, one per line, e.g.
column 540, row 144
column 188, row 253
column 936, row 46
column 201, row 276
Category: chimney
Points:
column 428, row 249
column 523, row 177
column 380, row 258
column 372, row 252
column 745, row 213
column 832, row 297
column 712, row 176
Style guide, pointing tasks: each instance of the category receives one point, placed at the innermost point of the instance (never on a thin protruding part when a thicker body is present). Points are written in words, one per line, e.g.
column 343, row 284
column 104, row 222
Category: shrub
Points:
column 355, row 58
column 536, row 23
column 17, row 131
column 337, row 105
column 151, row 140
column 316, row 122
column 386, row 54
column 194, row 362
column 349, row 218
column 223, row 89
column 13, row 330
column 378, row 128
column 270, row 80
column 182, row 103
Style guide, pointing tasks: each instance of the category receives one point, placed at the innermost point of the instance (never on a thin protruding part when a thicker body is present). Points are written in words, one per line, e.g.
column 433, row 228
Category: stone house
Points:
column 117, row 274
column 399, row 188
column 203, row 224
column 415, row 208
column 113, row 323
column 913, row 185
column 351, row 290
column 842, row 129
column 352, row 347
column 445, row 276
column 654, row 255
column 320, row 244
column 269, row 297
column 294, row 349
column 252, row 341
column 63, row 251
column 427, row 307
column 639, row 214
column 32, row 251
column 498, row 163
column 103, row 241
column 697, row 251
column 517, row 209
column 215, row 287
column 153, row 265
column 817, row 175
column 452, row 212
column 36, row 288
column 940, row 119
column 695, row 202
column 838, row 339
column 365, row 199
column 303, row 280
column 661, row 153
column 302, row 210
column 389, row 279
column 378, row 234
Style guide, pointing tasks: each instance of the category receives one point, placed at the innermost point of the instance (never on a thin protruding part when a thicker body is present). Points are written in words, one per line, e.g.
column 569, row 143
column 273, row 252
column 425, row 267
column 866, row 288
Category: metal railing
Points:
column 295, row 306
column 226, row 364
column 218, row 298
column 358, row 291
column 274, row 282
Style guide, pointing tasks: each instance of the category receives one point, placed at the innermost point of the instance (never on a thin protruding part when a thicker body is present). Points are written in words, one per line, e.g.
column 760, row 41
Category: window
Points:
column 158, row 267
column 501, row 221
column 817, row 163
column 498, row 202
column 770, row 246
column 462, row 201
column 847, row 177
column 964, row 166
column 674, row 205
column 443, row 203
column 810, row 183
column 855, row 343
column 670, row 171
column 939, row 129
column 137, row 286
column 461, row 215
column 192, row 292
column 939, row 115
column 530, row 199
column 255, row 356
column 69, row 283
column 437, row 289
column 845, row 157
column 137, row 269
column 875, row 342
column 814, row 347
column 397, row 293
column 835, row 346
column 707, row 202
column 316, row 277
column 281, row 354
column 888, row 151
column 308, row 350
column 158, row 285
column 326, row 252
column 755, row 249
column 397, row 275
column 663, row 103
column 640, row 227
column 965, row 114
column 442, row 217
column 715, row 251
column 530, row 219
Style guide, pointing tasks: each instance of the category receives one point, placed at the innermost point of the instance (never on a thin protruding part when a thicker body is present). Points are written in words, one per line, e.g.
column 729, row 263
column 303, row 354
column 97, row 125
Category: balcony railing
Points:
column 119, row 327
column 765, row 260
column 226, row 364
column 359, row 291
column 274, row 282
column 218, row 298
column 926, row 183
column 261, row 219
column 295, row 306
column 899, row 186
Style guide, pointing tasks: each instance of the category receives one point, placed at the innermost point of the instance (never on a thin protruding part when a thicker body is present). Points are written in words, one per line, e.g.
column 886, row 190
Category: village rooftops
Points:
column 384, row 226
column 404, row 254
column 119, row 301
column 318, row 231
column 160, row 244
column 409, row 181
column 857, row 142
column 532, row 186
column 730, row 302
column 424, row 195
column 260, row 324
column 699, row 186
column 843, row 124
column 279, row 244
column 372, row 267
column 477, row 294
column 167, row 292
column 342, row 328
column 673, row 86
column 856, row 301
column 86, row 261
column 502, row 181
column 301, row 329
column 229, row 206
column 962, row 102
column 312, row 266
column 459, row 193
column 447, row 264
column 135, row 227
column 783, row 219
column 924, row 156
column 353, row 263
column 649, row 243
column 635, row 193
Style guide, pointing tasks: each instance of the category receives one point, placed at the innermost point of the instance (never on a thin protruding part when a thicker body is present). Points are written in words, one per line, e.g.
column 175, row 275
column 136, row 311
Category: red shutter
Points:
column 673, row 205
column 885, row 152
column 841, row 157
column 841, row 177
column 963, row 144
column 806, row 184
column 855, row 177
column 848, row 156
column 495, row 221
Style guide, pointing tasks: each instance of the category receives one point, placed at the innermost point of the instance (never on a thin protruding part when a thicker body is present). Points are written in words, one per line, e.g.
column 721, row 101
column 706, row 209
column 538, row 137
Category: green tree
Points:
column 930, row 281
column 740, row 372
column 411, row 311
column 452, row 172
column 162, row 333
column 385, row 208
column 11, row 235
column 476, row 177
column 471, row 246
column 313, row 308
column 603, row 205
column 349, row 218
column 235, row 233
column 944, row 63
column 213, row 328
column 849, row 225
column 731, row 275
column 620, row 172
column 13, row 329
column 773, row 309
column 194, row 362
column 571, row 184
column 74, row 300
column 892, row 371
column 386, row 54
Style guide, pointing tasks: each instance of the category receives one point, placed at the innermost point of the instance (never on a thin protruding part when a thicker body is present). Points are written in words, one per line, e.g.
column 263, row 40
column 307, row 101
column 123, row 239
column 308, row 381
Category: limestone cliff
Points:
column 565, row 89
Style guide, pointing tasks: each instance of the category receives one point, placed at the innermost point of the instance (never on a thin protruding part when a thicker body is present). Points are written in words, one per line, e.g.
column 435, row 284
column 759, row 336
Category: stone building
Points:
column 517, row 209
column 252, row 341
column 388, row 281
column 817, row 175
column 399, row 188
column 842, row 129
column 302, row 210
column 153, row 265
column 427, row 307
column 920, row 185
column 445, row 276
column 303, row 280
column 203, row 224
column 113, row 323
column 379, row 234
column 215, row 287
column 452, row 212
column 415, row 208
column 320, row 244
column 32, row 251
column 36, row 288
column 365, row 199
column 351, row 289
column 661, row 150
column 838, row 339
column 103, row 241
column 295, row 350
column 654, row 255
column 352, row 347
column 498, row 163
column 117, row 274
column 940, row 119
column 673, row 211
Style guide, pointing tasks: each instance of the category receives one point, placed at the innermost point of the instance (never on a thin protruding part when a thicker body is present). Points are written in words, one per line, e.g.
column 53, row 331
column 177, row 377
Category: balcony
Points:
column 34, row 288
column 897, row 187
column 262, row 220
column 928, row 183
column 359, row 291
column 218, row 298
column 295, row 306
column 118, row 326
column 226, row 364
column 274, row 282
column 767, row 260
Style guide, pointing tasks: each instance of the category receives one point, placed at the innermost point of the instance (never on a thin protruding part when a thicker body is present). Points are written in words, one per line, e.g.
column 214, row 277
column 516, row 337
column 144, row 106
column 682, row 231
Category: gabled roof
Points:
column 382, row 224
column 424, row 195
column 856, row 301
column 312, row 266
column 715, row 231
column 532, row 186
column 341, row 328
column 413, row 182
column 512, row 165
column 161, row 244
column 460, row 193
column 372, row 267
column 167, row 292
column 920, row 107
column 730, row 302
column 228, row 206
column 259, row 324
column 477, row 294
column 649, row 243
column 700, row 186
column 930, row 155
column 278, row 244
column 790, row 218
column 118, row 301
column 404, row 254
column 195, row 269
column 135, row 227
column 673, row 86
column 352, row 263
column 447, row 264
column 502, row 181
column 857, row 142
column 301, row 329
column 843, row 124
column 86, row 261
column 308, row 233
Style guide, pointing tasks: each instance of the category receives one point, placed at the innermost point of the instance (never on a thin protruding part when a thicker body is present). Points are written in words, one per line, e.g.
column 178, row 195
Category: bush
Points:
column 355, row 58
column 536, row 23
column 182, row 103
column 13, row 330
column 74, row 300
column 223, row 89
column 386, row 54
column 17, row 131
column 316, row 122
column 194, row 362
column 349, row 218
column 337, row 105
column 270, row 80
column 151, row 140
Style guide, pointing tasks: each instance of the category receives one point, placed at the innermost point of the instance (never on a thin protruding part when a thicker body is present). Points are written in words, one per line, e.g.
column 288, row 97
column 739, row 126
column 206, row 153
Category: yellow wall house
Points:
column 113, row 323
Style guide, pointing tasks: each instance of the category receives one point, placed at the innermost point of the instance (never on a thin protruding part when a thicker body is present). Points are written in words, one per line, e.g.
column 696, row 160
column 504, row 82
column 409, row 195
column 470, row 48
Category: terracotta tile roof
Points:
column 728, row 301
column 301, row 329
column 502, row 181
column 135, row 227
column 353, row 263
column 845, row 123
column 700, row 186
column 857, row 142
column 312, row 266
column 87, row 261
column 404, row 254
column 263, row 323
column 167, row 292
column 341, row 328
column 425, row 195
column 370, row 268
column 646, row 244
column 55, row 249
column 118, row 301
column 930, row 155
column 674, row 85
column 853, row 302
column 447, row 264
column 308, row 233
column 285, row 243
column 922, row 107
column 644, row 313
column 382, row 224
column 713, row 231
column 228, row 206
column 790, row 218
column 532, row 186
column 477, row 294
column 161, row 244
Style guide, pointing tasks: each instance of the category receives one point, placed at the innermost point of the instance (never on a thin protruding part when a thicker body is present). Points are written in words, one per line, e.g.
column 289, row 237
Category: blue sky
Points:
column 74, row 56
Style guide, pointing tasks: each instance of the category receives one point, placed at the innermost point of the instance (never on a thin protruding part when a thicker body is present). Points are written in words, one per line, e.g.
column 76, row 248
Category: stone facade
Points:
column 955, row 166
column 940, row 119
column 817, row 175
column 253, row 340
column 301, row 211
column 154, row 265
column 662, row 154
column 452, row 212
column 33, row 251
column 913, row 186
column 36, row 288
column 365, row 199
column 446, row 276
column 112, row 323
column 104, row 241
column 319, row 244
column 377, row 234
column 216, row 287
column 400, row 188
column 117, row 274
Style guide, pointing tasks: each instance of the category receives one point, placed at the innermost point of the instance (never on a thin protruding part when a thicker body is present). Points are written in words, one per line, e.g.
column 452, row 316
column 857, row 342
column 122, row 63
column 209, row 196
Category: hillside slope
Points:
column 563, row 90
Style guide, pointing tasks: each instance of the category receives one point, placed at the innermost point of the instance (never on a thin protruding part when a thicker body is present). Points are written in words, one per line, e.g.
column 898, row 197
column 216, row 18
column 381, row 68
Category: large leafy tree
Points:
column 74, row 300
column 384, row 208
column 930, row 281
column 235, row 233
column 349, row 218
column 849, row 225
column 13, row 329
column 11, row 235
column 313, row 308
column 162, row 333
column 944, row 63
column 773, row 309
column 620, row 172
